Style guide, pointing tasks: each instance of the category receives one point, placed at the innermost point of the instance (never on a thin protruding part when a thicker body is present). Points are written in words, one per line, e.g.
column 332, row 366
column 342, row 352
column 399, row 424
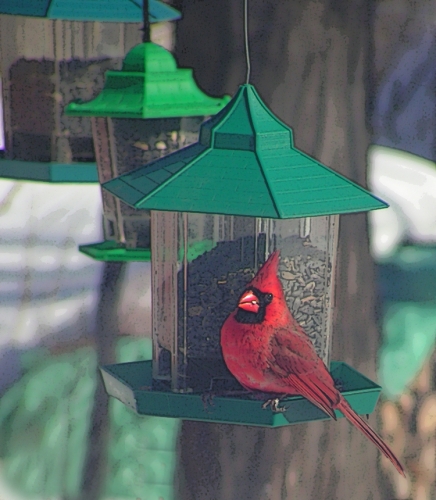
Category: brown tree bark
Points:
column 310, row 64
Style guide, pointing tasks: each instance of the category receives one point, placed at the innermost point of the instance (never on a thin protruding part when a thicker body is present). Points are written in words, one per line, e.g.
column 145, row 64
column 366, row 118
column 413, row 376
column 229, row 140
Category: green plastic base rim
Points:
column 409, row 275
column 132, row 384
column 48, row 172
column 111, row 251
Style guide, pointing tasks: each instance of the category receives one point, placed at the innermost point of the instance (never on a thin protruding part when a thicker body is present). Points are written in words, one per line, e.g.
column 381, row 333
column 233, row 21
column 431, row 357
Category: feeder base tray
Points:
column 111, row 251
column 133, row 385
column 48, row 172
column 409, row 275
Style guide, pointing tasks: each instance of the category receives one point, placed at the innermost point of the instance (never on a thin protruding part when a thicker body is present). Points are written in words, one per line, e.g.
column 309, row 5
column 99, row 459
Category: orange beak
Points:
column 249, row 302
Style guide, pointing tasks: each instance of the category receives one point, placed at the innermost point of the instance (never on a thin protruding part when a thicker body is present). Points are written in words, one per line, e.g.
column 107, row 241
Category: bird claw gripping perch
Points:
column 208, row 396
column 338, row 384
column 207, row 399
column 274, row 403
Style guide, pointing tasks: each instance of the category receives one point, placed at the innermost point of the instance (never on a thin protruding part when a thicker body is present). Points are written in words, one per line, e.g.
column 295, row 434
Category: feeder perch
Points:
column 219, row 207
column 148, row 109
column 47, row 61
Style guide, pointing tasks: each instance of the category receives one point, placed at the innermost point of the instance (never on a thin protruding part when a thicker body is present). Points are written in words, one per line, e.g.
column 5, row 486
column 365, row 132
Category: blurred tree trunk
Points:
column 310, row 64
column 95, row 464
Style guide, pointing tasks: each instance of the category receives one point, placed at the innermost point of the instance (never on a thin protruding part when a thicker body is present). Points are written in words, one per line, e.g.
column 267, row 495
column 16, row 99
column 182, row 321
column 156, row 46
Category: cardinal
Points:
column 267, row 351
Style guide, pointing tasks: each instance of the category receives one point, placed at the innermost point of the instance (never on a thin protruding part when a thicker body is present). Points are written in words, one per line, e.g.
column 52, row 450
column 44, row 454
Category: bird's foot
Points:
column 207, row 399
column 338, row 384
column 274, row 403
column 208, row 396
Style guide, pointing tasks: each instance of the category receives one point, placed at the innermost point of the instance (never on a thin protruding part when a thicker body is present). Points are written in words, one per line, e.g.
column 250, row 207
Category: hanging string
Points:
column 247, row 50
column 146, row 22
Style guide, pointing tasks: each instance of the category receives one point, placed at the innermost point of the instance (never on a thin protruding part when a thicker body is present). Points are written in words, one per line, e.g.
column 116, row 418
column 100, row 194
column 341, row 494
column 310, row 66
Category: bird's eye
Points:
column 268, row 297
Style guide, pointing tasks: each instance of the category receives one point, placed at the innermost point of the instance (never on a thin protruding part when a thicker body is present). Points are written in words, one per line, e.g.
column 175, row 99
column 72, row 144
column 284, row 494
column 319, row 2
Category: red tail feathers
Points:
column 358, row 422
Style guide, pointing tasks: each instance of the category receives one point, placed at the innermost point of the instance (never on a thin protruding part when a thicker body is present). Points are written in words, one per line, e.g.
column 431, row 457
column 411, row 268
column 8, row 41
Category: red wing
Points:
column 293, row 351
column 295, row 360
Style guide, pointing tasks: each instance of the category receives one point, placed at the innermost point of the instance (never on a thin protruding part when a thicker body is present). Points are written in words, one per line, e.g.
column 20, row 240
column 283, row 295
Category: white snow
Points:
column 46, row 284
column 408, row 183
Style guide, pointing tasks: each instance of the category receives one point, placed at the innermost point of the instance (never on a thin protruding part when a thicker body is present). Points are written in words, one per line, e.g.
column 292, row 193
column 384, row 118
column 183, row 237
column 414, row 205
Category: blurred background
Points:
column 355, row 80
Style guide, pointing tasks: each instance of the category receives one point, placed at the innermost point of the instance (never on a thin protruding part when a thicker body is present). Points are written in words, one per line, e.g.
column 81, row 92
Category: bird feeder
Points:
column 52, row 55
column 218, row 209
column 148, row 109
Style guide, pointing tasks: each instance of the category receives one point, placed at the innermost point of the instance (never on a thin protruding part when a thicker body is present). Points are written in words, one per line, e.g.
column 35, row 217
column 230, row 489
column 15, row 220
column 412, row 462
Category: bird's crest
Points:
column 266, row 279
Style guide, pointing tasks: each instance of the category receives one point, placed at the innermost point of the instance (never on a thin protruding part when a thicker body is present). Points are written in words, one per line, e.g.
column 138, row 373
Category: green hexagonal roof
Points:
column 245, row 163
column 150, row 85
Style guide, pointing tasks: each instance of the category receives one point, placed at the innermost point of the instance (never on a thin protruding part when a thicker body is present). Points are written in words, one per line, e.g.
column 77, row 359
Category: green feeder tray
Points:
column 48, row 172
column 111, row 251
column 409, row 275
column 133, row 385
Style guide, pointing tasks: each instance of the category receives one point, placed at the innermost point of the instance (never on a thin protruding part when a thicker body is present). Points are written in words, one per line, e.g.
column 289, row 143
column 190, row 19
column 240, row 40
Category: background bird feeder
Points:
column 146, row 110
column 51, row 57
column 218, row 209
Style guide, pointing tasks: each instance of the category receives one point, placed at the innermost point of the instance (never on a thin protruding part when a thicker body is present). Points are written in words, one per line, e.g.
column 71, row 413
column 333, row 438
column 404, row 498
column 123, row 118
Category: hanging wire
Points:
column 146, row 36
column 247, row 50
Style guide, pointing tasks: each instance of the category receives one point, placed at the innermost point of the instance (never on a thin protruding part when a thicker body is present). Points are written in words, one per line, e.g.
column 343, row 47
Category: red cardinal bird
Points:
column 267, row 350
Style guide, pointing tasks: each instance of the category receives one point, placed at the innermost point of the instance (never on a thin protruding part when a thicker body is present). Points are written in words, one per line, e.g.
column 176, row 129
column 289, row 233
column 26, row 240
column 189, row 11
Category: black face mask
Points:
column 251, row 318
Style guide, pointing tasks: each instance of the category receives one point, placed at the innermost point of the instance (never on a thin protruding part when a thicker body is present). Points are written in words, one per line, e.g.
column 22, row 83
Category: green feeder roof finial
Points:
column 150, row 85
column 245, row 163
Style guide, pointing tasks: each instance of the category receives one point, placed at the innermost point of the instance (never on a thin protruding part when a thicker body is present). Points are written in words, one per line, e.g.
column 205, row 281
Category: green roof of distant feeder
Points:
column 115, row 11
column 150, row 85
column 245, row 163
